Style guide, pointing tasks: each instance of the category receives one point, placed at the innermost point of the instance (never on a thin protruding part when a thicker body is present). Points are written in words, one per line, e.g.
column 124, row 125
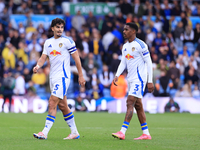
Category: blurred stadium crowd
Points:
column 174, row 47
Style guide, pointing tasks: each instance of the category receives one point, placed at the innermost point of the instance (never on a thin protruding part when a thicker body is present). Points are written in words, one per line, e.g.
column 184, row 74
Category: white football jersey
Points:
column 133, row 55
column 58, row 51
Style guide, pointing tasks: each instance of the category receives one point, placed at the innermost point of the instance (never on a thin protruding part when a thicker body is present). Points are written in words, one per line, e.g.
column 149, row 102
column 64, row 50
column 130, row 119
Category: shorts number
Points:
column 136, row 88
column 56, row 88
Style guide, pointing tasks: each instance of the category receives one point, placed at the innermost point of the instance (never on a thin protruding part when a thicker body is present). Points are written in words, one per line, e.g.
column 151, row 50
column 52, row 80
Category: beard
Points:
column 59, row 35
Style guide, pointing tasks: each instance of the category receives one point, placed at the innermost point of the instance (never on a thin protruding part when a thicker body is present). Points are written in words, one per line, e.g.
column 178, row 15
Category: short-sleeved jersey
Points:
column 58, row 51
column 132, row 55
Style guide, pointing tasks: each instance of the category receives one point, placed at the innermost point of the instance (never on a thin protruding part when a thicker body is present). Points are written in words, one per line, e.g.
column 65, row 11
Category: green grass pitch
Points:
column 168, row 131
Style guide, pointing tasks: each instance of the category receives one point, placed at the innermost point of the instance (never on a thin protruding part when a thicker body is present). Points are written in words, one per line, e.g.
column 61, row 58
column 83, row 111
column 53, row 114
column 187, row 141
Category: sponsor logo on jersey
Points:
column 55, row 53
column 49, row 46
column 60, row 45
column 133, row 48
column 128, row 56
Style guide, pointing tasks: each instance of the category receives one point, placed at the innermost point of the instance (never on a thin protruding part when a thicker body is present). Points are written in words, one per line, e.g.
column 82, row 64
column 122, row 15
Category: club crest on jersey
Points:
column 133, row 48
column 55, row 53
column 60, row 45
column 128, row 56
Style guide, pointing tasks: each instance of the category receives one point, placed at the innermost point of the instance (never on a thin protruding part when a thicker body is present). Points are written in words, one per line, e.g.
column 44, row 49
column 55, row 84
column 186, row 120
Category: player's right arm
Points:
column 41, row 60
column 40, row 63
column 120, row 69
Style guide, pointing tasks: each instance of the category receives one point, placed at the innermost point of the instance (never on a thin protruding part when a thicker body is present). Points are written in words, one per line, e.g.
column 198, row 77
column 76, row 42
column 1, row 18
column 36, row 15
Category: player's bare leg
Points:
column 131, row 100
column 53, row 102
column 69, row 118
column 142, row 119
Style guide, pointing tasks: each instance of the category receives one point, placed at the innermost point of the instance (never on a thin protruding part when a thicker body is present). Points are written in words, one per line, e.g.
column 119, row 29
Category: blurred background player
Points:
column 136, row 57
column 58, row 49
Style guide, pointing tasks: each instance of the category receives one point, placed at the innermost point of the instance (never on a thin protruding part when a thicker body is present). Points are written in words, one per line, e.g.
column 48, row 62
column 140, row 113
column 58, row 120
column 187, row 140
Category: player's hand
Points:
column 115, row 80
column 35, row 69
column 150, row 87
column 81, row 81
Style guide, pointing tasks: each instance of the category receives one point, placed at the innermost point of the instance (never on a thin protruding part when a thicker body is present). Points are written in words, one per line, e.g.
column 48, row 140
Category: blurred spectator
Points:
column 113, row 48
column 2, row 43
column 30, row 4
column 34, row 45
column 114, row 63
column 163, row 84
column 107, row 39
column 42, row 39
column 79, row 104
column 8, row 86
column 129, row 18
column 158, row 24
column 5, row 15
column 39, row 9
column 157, row 42
column 188, row 35
column 40, row 29
column 21, row 28
column 120, row 90
column 83, row 93
column 196, row 33
column 172, row 106
column 166, row 6
column 2, row 6
column 96, row 47
column 120, row 18
column 19, row 85
column 184, row 19
column 30, row 29
column 157, row 10
column 138, row 9
column 125, row 7
column 141, row 35
column 196, row 92
column 15, row 39
column 191, row 76
column 184, row 91
column 176, row 9
column 166, row 25
column 106, row 78
column 22, row 9
column 94, row 79
column 163, row 50
column 174, row 74
column 90, row 63
column 8, row 56
column 27, row 75
column 20, row 53
column 149, row 9
column 91, row 19
column 95, row 94
column 150, row 37
column 78, row 20
column 39, row 78
column 50, row 9
column 68, row 22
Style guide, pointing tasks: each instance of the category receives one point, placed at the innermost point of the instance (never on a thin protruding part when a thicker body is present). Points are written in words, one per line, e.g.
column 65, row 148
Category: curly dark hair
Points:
column 57, row 21
column 133, row 26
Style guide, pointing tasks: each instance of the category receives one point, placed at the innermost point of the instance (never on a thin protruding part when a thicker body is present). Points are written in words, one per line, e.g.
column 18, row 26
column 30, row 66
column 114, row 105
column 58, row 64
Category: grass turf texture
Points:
column 168, row 131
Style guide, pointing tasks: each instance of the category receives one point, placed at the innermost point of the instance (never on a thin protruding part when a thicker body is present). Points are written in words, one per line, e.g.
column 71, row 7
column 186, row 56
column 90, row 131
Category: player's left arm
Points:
column 76, row 58
column 146, row 56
